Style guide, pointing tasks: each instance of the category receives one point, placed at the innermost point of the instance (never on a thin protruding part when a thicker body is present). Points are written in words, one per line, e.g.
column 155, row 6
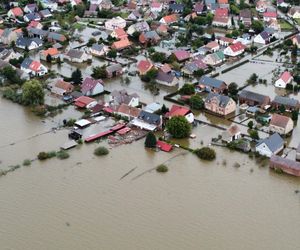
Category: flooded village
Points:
column 149, row 124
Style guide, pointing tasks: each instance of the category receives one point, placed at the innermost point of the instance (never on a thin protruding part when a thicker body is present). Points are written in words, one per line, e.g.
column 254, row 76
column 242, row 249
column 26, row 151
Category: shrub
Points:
column 62, row 155
column 179, row 127
column 150, row 141
column 162, row 168
column 42, row 156
column 101, row 151
column 206, row 153
column 26, row 162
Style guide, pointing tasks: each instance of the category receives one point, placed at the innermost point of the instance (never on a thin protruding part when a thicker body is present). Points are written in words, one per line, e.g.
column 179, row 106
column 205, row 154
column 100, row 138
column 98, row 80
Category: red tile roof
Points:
column 237, row 47
column 51, row 52
column 177, row 111
column 182, row 55
column 17, row 11
column 164, row 146
column 170, row 18
column 120, row 33
column 121, row 44
column 285, row 76
column 279, row 120
column 35, row 66
column 221, row 12
column 144, row 66
column 83, row 101
column 270, row 14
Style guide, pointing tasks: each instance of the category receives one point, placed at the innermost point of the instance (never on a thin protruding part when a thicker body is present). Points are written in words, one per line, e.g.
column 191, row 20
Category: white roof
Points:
column 82, row 123
column 143, row 125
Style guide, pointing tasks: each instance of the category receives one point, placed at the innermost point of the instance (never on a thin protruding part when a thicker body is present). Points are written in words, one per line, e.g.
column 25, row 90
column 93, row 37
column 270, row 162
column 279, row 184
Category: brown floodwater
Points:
column 82, row 202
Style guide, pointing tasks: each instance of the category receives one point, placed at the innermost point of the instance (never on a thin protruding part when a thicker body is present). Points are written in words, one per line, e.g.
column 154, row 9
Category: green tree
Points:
column 178, row 127
column 11, row 75
column 99, row 72
column 112, row 53
column 199, row 73
column 295, row 114
column 196, row 102
column 150, row 141
column 158, row 57
column 76, row 76
column 250, row 124
column 49, row 58
column 150, row 75
column 257, row 26
column 187, row 89
column 254, row 134
column 282, row 108
column 206, row 153
column 233, row 89
column 32, row 93
column 91, row 41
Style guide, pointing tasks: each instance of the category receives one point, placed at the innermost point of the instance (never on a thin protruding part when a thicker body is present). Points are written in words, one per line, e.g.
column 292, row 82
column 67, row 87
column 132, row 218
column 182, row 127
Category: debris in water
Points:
column 67, row 224
column 296, row 191
column 237, row 165
column 251, row 170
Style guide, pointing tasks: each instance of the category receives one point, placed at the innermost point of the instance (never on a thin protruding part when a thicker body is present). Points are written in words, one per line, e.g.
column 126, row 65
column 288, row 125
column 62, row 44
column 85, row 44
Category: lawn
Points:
column 284, row 25
column 297, row 20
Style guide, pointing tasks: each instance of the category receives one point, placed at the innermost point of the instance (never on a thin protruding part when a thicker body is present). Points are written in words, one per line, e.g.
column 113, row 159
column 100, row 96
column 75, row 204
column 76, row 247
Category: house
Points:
column 114, row 23
column 199, row 8
column 32, row 17
column 114, row 70
column 294, row 12
column 45, row 13
column 35, row 24
column 29, row 43
column 99, row 49
column 298, row 153
column 245, row 17
column 214, row 59
column 210, row 84
column 61, row 87
column 219, row 104
column 180, row 111
column 7, row 54
column 23, row 75
column 281, row 124
column 235, row 49
column 91, row 86
column 273, row 24
column 15, row 12
column 135, row 15
column 144, row 66
column 122, row 44
column 77, row 56
column 261, row 6
column 119, row 97
column 30, row 8
column 119, row 34
column 85, row 102
column 140, row 27
column 181, row 55
column 33, row 68
column 149, row 37
column 56, row 37
column 166, row 68
column 286, row 165
column 270, row 146
column 282, row 3
column 221, row 18
column 166, row 79
column 263, row 38
column 49, row 4
column 53, row 52
column 8, row 35
column 41, row 34
column 284, row 79
column 231, row 134
column 296, row 40
column 224, row 41
column 253, row 99
column 212, row 46
column 169, row 19
column 176, row 7
column 156, row 7
column 148, row 121
column 162, row 29
column 191, row 67
column 270, row 15
column 289, row 104
column 128, row 111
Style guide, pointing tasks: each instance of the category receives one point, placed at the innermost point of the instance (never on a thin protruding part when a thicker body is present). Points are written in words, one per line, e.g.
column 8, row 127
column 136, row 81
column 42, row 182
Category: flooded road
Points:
column 81, row 203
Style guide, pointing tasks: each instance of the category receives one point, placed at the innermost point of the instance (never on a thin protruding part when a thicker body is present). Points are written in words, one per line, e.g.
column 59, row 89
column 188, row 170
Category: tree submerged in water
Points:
column 150, row 141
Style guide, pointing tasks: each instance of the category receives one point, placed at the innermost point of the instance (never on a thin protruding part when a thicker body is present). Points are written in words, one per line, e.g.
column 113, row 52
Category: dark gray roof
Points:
column 223, row 99
column 36, row 31
column 286, row 101
column 45, row 12
column 252, row 96
column 26, row 63
column 164, row 77
column 98, row 47
column 75, row 53
column 150, row 118
column 211, row 82
column 26, row 41
column 274, row 142
column 152, row 35
column 176, row 7
column 265, row 35
column 114, row 68
column 32, row 16
column 56, row 36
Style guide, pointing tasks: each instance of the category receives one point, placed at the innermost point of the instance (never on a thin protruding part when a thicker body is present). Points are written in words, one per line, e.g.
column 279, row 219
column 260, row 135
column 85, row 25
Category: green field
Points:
column 284, row 25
